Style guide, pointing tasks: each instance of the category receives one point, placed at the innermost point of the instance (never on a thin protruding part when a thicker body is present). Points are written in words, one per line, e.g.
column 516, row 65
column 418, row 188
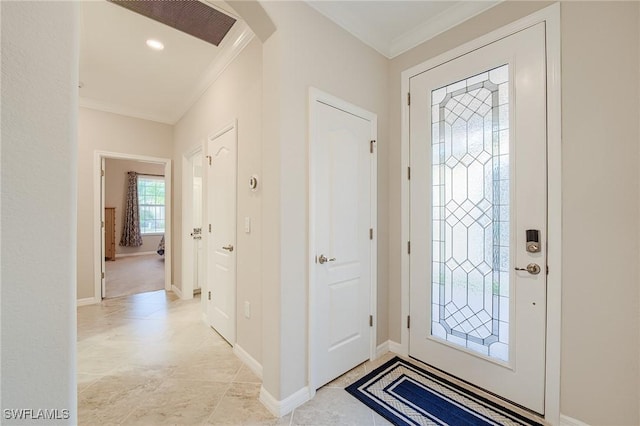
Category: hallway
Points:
column 148, row 359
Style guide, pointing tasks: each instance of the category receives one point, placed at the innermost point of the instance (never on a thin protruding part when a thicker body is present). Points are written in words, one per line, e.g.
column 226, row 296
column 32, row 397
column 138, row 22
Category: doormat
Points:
column 406, row 394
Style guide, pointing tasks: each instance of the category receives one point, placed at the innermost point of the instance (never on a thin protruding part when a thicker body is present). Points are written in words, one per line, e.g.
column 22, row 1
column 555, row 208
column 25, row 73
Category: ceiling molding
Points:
column 352, row 23
column 455, row 15
column 122, row 110
column 236, row 40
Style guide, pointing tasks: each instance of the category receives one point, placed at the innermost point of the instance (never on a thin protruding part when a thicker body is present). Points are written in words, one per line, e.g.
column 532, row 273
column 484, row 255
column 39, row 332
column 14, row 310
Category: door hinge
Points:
column 102, row 275
column 209, row 227
column 547, row 269
column 208, row 157
column 371, row 233
column 371, row 144
column 408, row 98
column 103, row 223
column 408, row 321
column 370, row 320
column 409, row 173
column 209, row 295
column 101, row 172
column 408, row 247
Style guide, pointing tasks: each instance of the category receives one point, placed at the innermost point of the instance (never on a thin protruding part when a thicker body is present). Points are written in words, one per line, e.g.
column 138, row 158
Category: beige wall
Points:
column 600, row 349
column 103, row 131
column 600, row 381
column 115, row 193
column 38, row 197
column 308, row 50
column 236, row 94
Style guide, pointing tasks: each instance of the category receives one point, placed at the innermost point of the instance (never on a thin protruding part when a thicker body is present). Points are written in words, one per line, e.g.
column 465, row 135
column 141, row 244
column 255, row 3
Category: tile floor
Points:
column 148, row 359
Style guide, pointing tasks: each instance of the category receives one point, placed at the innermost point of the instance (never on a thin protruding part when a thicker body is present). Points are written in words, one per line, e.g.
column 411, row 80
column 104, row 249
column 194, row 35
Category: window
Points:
column 151, row 204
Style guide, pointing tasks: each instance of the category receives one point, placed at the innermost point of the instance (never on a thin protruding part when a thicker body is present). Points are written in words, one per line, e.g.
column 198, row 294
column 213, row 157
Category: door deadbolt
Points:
column 532, row 268
column 533, row 241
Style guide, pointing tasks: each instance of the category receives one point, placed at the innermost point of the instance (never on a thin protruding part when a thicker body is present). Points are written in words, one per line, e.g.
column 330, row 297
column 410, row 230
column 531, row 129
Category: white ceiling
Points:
column 393, row 27
column 120, row 74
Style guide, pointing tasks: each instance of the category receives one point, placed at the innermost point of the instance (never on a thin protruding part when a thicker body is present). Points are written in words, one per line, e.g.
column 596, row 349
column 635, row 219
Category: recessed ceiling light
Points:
column 155, row 44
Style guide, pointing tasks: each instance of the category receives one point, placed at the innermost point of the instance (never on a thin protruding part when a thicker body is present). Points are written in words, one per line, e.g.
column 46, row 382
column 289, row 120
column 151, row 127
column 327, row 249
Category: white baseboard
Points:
column 287, row 405
column 249, row 361
column 397, row 348
column 177, row 291
column 87, row 301
column 382, row 349
column 138, row 253
column 570, row 421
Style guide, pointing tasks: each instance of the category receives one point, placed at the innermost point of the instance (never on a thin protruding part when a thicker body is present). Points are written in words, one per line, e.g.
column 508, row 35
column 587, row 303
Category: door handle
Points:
column 228, row 248
column 532, row 268
column 322, row 259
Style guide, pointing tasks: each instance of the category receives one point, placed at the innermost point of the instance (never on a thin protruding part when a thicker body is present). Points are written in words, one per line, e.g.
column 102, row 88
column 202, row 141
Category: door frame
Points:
column 188, row 254
column 98, row 212
column 315, row 96
column 551, row 17
column 232, row 126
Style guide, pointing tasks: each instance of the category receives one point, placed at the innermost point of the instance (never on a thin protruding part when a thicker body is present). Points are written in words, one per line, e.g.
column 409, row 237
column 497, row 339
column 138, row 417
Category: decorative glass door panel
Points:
column 477, row 146
column 470, row 222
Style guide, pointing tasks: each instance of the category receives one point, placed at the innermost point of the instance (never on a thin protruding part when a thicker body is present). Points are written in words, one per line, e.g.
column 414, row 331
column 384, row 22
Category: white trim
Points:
column 412, row 37
column 87, row 301
column 570, row 421
column 287, row 405
column 139, row 253
column 98, row 210
column 248, row 360
column 551, row 16
column 315, row 96
column 436, row 25
column 238, row 38
column 382, row 349
column 177, row 291
column 187, row 253
column 397, row 348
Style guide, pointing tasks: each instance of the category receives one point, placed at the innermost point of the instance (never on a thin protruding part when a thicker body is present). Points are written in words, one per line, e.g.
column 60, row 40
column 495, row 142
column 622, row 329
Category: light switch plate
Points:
column 247, row 225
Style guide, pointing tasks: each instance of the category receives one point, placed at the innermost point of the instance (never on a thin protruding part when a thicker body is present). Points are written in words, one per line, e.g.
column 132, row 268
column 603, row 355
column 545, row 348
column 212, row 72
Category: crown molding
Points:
column 438, row 24
column 455, row 15
column 235, row 41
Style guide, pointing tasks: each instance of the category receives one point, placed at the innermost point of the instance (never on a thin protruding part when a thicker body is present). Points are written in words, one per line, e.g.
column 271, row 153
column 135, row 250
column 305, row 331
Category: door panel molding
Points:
column 316, row 98
column 551, row 17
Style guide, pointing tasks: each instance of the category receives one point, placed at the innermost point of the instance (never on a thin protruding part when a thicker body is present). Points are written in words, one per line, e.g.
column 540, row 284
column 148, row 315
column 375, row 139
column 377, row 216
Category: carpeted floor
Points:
column 134, row 274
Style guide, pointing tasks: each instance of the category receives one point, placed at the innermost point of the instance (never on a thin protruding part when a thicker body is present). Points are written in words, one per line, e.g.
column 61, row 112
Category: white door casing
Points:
column 98, row 204
column 221, row 238
column 519, row 375
column 342, row 222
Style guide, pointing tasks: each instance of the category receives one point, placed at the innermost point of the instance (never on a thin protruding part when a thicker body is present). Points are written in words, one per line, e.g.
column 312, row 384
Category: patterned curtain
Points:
column 131, row 236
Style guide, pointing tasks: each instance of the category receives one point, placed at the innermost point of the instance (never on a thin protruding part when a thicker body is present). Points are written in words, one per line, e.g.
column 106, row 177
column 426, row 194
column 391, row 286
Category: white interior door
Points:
column 198, row 250
column 342, row 219
column 478, row 183
column 221, row 246
column 103, row 267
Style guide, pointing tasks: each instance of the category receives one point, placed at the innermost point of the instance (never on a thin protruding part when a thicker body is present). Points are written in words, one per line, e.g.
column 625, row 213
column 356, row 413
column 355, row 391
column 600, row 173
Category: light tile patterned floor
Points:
column 148, row 359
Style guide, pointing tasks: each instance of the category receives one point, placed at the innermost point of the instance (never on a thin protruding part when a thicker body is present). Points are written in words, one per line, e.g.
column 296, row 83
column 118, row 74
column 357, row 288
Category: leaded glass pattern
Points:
column 470, row 228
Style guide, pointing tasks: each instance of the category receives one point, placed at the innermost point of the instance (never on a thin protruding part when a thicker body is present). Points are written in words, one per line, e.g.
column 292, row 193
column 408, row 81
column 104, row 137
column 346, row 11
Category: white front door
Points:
column 343, row 248
column 478, row 193
column 221, row 236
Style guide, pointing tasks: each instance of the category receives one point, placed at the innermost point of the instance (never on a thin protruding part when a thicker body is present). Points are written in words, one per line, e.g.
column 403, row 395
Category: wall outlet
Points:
column 247, row 309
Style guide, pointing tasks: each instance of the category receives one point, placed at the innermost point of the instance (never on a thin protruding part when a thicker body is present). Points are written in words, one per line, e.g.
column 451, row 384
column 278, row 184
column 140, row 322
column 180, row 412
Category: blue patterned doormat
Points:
column 406, row 394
